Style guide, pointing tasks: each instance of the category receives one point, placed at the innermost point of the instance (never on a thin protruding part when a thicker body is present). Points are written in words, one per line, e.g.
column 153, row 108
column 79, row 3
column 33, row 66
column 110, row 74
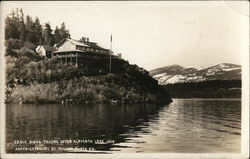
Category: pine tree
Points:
column 8, row 28
column 57, row 36
column 29, row 29
column 22, row 27
column 38, row 31
column 47, row 35
column 64, row 33
column 12, row 25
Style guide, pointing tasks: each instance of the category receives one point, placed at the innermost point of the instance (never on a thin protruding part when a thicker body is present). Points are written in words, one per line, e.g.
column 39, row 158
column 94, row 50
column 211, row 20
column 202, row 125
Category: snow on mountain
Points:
column 224, row 67
column 178, row 74
column 173, row 69
column 197, row 67
column 176, row 78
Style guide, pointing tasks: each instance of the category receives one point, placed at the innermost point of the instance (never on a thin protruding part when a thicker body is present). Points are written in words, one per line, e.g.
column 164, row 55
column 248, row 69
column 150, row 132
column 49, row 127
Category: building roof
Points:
column 76, row 50
column 79, row 43
column 76, row 42
column 49, row 48
column 46, row 47
column 98, row 46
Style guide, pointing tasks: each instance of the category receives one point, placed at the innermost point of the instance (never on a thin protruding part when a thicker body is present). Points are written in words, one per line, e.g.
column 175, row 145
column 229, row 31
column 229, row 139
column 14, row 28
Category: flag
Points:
column 111, row 38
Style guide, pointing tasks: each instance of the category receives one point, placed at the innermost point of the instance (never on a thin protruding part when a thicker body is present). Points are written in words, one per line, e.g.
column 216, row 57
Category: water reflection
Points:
column 63, row 122
column 182, row 126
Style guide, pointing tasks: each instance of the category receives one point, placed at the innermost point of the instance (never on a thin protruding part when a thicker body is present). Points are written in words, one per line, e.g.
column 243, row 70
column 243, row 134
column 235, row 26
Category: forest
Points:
column 206, row 89
column 30, row 30
column 31, row 78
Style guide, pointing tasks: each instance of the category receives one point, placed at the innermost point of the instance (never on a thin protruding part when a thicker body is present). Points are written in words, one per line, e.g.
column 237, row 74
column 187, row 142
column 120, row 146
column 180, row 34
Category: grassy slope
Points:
column 87, row 89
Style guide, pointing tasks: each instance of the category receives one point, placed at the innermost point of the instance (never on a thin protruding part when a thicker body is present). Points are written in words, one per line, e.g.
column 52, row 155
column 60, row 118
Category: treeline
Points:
column 22, row 35
column 206, row 89
column 26, row 29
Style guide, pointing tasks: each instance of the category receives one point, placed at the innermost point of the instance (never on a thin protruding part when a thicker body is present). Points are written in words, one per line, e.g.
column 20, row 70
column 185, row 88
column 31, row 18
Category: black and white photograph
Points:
column 124, row 79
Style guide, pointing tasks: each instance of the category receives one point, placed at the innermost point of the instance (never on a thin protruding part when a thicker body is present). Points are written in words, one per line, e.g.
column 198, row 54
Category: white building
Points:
column 45, row 50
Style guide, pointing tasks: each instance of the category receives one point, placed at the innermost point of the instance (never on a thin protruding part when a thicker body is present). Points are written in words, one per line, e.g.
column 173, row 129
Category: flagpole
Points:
column 110, row 53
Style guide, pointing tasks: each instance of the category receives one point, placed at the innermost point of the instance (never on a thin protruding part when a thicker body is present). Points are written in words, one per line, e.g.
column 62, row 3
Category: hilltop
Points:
column 33, row 79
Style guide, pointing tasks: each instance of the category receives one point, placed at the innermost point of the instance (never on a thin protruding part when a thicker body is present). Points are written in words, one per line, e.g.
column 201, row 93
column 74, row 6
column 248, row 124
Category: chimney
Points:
column 83, row 39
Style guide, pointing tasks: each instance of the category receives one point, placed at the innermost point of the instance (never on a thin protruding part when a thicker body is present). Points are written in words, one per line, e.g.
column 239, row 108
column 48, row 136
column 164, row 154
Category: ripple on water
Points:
column 196, row 126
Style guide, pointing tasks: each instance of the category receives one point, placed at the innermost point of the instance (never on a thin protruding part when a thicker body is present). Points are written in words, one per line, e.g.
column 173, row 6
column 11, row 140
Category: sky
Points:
column 153, row 34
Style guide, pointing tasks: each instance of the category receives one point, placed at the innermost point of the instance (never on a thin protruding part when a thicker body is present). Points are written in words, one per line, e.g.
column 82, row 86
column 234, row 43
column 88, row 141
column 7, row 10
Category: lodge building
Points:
column 82, row 53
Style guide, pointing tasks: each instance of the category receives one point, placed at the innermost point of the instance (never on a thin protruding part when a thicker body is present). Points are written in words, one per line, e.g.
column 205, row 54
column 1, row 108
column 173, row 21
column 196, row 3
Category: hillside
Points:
column 32, row 79
column 178, row 74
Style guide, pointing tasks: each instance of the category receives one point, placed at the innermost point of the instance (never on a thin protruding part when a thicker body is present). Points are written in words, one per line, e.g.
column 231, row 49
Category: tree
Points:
column 64, row 32
column 47, row 35
column 29, row 29
column 22, row 27
column 61, row 33
column 12, row 25
column 57, row 35
column 38, row 31
column 8, row 28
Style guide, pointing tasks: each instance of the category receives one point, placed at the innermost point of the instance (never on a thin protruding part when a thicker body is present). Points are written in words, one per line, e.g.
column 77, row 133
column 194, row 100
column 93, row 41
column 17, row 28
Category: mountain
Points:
column 178, row 74
column 173, row 69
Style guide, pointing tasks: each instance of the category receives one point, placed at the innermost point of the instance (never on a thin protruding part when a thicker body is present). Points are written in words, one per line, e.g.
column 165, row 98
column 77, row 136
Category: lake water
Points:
column 183, row 126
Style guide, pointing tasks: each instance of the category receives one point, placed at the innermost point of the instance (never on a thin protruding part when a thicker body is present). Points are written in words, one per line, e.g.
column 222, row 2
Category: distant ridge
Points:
column 178, row 74
column 168, row 69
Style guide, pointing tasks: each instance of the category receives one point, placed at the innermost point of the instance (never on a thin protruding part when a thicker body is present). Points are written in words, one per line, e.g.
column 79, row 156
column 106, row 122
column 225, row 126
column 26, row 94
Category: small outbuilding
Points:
column 45, row 50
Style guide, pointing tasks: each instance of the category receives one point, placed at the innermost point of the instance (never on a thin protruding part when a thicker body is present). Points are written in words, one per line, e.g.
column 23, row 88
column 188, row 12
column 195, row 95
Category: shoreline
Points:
column 207, row 98
column 91, row 103
column 94, row 102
